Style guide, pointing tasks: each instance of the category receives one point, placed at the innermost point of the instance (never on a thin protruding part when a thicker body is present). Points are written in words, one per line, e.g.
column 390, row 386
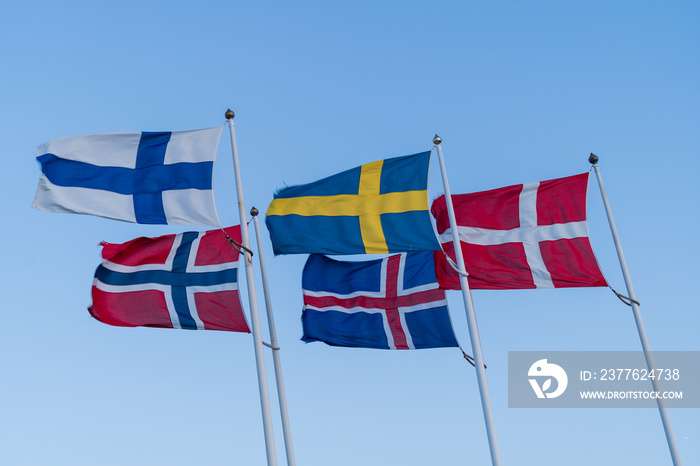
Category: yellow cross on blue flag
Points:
column 378, row 208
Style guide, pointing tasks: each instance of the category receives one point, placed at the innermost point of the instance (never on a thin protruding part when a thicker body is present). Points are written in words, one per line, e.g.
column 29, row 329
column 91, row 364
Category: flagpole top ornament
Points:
column 254, row 212
column 593, row 159
column 437, row 140
column 229, row 114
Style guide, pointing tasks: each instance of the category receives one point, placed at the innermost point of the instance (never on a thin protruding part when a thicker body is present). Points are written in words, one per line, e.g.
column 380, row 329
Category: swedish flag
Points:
column 379, row 207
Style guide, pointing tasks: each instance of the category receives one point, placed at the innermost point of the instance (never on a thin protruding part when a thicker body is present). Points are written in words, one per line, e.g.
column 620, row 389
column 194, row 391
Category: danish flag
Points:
column 531, row 235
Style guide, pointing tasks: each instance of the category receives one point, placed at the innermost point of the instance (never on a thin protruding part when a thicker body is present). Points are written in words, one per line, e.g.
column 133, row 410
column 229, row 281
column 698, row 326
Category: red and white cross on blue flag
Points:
column 532, row 235
column 390, row 303
column 184, row 281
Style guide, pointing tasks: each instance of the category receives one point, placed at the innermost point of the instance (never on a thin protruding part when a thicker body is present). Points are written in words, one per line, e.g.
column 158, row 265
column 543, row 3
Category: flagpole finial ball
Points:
column 437, row 140
column 229, row 114
column 254, row 212
column 593, row 159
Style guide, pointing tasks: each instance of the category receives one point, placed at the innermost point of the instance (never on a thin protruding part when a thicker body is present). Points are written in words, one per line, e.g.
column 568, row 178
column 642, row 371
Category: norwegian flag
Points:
column 531, row 235
column 184, row 281
column 390, row 303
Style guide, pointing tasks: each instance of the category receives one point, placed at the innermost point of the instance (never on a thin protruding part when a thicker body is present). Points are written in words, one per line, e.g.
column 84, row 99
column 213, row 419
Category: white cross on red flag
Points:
column 531, row 235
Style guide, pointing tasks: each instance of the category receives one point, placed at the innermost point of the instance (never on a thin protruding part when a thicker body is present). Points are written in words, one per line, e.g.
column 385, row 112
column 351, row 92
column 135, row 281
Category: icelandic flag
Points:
column 532, row 235
column 390, row 303
column 187, row 281
column 377, row 208
column 162, row 178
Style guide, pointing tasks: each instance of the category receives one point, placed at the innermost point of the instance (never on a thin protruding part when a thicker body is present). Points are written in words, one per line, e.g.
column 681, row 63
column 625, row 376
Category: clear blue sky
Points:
column 519, row 92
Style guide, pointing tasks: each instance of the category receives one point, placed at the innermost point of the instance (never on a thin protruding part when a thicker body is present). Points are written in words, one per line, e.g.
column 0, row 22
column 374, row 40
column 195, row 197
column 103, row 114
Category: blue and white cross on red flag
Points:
column 161, row 178
column 186, row 281
column 390, row 303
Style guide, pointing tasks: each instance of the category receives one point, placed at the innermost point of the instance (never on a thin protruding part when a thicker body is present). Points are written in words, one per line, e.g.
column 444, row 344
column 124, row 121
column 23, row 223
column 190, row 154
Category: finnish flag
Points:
column 162, row 178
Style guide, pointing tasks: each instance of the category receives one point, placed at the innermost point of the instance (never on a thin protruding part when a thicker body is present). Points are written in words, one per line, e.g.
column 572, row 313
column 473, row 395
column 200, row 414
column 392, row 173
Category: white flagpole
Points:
column 274, row 347
column 665, row 420
column 471, row 317
column 252, row 299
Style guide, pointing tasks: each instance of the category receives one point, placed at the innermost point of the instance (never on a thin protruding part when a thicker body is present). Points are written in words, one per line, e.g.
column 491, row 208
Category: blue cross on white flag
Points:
column 143, row 177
